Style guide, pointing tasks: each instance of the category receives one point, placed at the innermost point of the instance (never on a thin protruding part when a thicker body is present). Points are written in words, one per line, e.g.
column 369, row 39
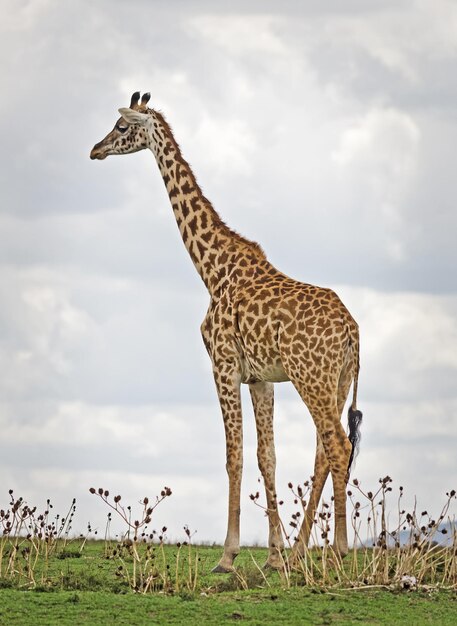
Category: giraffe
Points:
column 262, row 327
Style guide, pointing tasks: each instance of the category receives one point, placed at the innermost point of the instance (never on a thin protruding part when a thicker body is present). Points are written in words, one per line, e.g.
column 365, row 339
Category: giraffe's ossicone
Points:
column 261, row 327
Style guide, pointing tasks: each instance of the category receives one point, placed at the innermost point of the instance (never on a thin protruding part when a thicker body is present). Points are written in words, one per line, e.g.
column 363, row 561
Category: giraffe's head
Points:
column 130, row 133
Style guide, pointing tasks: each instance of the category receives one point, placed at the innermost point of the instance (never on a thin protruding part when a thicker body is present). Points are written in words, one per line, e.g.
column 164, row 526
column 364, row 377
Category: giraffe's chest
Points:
column 232, row 333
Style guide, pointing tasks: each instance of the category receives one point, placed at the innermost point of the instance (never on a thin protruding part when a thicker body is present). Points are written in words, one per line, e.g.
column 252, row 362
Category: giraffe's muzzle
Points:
column 97, row 152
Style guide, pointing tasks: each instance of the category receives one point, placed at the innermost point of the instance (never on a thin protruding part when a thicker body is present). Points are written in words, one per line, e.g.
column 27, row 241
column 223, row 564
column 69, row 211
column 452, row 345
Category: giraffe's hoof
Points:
column 221, row 569
column 273, row 565
column 339, row 552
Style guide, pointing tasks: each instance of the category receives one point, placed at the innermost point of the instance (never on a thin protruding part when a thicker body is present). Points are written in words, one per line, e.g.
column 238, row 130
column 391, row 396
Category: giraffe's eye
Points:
column 121, row 128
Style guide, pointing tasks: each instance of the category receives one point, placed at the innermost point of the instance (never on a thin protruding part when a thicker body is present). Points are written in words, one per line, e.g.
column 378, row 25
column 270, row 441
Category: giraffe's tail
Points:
column 354, row 416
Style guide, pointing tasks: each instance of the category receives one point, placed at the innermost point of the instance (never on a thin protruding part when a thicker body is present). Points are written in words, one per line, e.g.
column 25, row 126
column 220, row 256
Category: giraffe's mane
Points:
column 254, row 246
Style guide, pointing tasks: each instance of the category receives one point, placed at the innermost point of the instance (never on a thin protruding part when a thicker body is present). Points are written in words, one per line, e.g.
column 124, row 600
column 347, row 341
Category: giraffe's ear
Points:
column 134, row 117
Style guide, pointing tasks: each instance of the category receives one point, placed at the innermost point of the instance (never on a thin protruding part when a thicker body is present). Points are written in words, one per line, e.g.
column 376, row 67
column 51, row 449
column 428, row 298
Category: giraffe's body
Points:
column 261, row 327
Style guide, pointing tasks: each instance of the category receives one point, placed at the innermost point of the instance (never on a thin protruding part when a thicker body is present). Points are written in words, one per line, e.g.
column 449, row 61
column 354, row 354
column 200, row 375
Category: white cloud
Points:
column 234, row 33
column 146, row 431
column 231, row 154
column 408, row 340
column 378, row 154
column 387, row 137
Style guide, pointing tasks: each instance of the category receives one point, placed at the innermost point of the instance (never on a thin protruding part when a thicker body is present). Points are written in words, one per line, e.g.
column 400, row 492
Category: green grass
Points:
column 83, row 586
column 295, row 606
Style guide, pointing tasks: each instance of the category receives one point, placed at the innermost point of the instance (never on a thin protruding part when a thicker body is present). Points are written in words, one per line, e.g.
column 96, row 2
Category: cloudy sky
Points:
column 324, row 130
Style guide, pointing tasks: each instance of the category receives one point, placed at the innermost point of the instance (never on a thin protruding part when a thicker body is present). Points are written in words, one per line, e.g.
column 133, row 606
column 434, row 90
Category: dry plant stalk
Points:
column 410, row 553
column 30, row 538
column 392, row 547
column 140, row 554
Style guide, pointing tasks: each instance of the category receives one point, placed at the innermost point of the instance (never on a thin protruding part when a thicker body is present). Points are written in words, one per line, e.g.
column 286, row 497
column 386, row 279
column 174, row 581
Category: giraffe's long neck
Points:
column 213, row 247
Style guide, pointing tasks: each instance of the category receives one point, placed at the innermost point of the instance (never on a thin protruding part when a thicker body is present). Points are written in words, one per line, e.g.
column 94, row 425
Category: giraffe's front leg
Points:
column 228, row 389
column 262, row 395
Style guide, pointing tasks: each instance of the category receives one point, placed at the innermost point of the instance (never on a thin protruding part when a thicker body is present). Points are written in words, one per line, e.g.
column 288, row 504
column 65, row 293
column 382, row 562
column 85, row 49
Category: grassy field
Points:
column 79, row 584
column 298, row 606
column 406, row 574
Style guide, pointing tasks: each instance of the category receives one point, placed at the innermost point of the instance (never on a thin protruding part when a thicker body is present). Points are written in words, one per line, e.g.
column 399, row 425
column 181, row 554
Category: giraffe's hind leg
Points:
column 337, row 450
column 321, row 472
column 262, row 400
column 321, row 465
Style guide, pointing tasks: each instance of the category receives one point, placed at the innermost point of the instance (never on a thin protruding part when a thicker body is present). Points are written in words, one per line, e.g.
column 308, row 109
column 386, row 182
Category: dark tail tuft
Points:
column 354, row 435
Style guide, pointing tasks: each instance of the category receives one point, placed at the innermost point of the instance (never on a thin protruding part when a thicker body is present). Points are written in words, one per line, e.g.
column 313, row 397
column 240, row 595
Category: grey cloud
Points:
column 102, row 341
